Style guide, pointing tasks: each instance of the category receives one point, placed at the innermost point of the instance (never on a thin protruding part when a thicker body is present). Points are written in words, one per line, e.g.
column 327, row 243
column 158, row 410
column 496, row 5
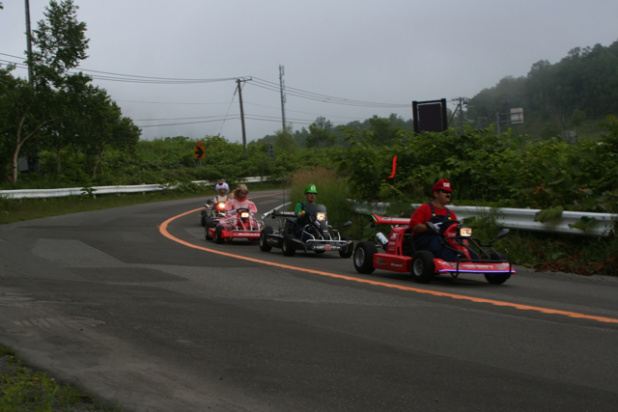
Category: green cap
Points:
column 311, row 189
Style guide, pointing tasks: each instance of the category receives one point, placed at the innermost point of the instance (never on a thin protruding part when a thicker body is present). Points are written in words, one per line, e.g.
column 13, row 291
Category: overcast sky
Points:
column 344, row 59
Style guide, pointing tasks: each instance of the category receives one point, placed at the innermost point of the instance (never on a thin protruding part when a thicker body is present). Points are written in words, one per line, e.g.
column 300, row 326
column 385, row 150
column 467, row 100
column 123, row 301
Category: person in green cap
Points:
column 311, row 192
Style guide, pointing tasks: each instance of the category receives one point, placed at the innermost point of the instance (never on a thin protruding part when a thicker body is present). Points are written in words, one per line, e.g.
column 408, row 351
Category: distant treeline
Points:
column 555, row 97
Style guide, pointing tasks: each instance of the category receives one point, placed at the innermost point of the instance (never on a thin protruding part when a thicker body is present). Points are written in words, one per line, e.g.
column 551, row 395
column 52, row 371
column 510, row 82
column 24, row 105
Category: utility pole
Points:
column 242, row 116
column 462, row 101
column 282, row 88
column 29, row 42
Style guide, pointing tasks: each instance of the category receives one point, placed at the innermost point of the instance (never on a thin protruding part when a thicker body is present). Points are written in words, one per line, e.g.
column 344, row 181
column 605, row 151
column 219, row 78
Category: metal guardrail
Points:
column 601, row 224
column 101, row 190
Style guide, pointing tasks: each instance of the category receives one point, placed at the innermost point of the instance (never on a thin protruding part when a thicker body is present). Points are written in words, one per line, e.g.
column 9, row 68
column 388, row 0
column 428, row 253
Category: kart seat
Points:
column 408, row 243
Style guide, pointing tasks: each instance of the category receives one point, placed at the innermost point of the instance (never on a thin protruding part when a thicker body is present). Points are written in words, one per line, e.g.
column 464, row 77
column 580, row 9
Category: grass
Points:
column 25, row 389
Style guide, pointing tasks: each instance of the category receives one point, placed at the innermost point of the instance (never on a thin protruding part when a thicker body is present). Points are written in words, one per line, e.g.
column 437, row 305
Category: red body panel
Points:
column 394, row 263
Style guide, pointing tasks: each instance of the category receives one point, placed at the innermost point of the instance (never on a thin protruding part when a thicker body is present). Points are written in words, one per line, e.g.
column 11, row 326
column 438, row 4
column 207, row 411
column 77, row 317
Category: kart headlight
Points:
column 321, row 216
column 220, row 206
column 465, row 231
column 244, row 215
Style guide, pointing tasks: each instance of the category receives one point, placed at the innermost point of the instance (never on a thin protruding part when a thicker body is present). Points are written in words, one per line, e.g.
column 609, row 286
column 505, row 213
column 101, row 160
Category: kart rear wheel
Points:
column 363, row 257
column 497, row 278
column 422, row 266
column 288, row 246
column 348, row 250
column 207, row 235
column 264, row 245
column 218, row 234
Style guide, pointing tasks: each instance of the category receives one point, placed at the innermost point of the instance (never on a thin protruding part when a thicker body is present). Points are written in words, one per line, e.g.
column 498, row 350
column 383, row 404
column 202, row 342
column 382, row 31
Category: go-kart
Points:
column 244, row 226
column 211, row 213
column 473, row 257
column 316, row 235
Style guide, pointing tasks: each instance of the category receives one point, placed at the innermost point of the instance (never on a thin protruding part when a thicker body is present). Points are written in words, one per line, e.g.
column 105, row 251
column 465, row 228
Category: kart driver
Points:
column 238, row 201
column 437, row 213
column 209, row 211
column 311, row 193
column 222, row 188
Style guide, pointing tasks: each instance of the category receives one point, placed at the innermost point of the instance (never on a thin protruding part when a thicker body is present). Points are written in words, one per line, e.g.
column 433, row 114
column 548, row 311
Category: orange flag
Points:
column 394, row 167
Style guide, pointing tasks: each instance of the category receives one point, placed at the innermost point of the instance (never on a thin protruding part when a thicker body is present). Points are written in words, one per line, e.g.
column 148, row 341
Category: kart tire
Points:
column 348, row 250
column 422, row 266
column 264, row 245
column 287, row 247
column 363, row 257
column 206, row 234
column 497, row 278
column 218, row 234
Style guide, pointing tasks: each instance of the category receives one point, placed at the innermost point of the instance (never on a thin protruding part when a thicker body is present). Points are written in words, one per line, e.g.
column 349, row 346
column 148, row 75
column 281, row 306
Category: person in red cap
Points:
column 437, row 213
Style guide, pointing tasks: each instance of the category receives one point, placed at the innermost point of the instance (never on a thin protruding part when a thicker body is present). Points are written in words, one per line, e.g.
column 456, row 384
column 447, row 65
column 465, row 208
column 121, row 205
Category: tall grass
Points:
column 332, row 192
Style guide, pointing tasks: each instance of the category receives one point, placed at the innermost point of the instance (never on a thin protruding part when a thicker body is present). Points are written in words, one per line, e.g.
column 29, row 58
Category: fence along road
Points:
column 601, row 224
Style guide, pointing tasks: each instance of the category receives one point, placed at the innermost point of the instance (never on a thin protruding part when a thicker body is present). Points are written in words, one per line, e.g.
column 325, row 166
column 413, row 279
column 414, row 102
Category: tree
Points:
column 20, row 116
column 284, row 141
column 59, row 45
column 320, row 133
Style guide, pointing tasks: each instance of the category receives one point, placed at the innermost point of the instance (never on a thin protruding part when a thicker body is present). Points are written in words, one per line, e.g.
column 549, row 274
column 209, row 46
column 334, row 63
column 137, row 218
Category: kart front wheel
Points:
column 422, row 266
column 288, row 246
column 218, row 234
column 264, row 245
column 497, row 278
column 363, row 257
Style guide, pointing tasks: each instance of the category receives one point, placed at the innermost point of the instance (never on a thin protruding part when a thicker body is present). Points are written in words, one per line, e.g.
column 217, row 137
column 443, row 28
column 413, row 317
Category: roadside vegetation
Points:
column 25, row 389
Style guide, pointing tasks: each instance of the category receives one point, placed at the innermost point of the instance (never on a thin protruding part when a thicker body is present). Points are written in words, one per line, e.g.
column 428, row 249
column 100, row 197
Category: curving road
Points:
column 135, row 305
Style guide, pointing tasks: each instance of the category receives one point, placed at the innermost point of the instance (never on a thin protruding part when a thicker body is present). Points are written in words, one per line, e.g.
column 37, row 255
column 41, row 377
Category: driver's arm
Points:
column 298, row 210
column 419, row 218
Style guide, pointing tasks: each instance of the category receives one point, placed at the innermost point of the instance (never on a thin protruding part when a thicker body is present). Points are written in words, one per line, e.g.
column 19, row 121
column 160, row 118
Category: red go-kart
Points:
column 244, row 226
column 473, row 257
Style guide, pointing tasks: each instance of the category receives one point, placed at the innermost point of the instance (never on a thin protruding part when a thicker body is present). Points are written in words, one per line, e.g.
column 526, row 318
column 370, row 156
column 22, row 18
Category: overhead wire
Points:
column 252, row 81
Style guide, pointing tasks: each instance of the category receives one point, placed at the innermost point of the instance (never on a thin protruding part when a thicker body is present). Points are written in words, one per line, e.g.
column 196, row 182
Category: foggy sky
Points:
column 344, row 60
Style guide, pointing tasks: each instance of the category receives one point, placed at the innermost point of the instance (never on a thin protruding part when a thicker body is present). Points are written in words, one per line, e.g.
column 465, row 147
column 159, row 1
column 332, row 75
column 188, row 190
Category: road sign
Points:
column 199, row 151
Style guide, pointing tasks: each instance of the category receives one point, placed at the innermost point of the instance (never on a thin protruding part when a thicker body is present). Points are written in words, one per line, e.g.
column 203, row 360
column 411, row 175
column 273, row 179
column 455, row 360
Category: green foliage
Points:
column 25, row 389
column 484, row 167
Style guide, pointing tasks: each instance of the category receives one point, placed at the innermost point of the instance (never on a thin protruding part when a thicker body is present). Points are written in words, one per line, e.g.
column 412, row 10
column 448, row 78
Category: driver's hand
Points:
column 438, row 225
column 301, row 214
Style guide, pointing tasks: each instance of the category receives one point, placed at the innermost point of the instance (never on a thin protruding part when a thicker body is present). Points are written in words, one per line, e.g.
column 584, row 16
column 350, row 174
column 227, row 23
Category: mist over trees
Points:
column 583, row 85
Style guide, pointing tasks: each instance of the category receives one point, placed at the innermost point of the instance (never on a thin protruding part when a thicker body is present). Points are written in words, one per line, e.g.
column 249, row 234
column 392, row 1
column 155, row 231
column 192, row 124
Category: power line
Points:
column 254, row 81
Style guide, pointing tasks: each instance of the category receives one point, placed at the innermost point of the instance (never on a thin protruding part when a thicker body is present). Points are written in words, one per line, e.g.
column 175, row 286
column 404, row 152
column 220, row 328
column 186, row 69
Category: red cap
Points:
column 442, row 184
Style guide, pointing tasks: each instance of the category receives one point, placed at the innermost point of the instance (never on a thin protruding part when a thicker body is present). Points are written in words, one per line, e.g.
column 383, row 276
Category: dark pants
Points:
column 433, row 244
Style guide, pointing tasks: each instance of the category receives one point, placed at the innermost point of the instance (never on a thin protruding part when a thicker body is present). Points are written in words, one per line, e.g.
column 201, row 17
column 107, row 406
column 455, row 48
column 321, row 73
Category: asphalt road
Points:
column 135, row 305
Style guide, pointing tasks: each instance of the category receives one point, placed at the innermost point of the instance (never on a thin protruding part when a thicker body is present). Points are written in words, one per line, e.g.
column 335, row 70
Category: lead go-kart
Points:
column 211, row 213
column 244, row 226
column 473, row 256
column 316, row 235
